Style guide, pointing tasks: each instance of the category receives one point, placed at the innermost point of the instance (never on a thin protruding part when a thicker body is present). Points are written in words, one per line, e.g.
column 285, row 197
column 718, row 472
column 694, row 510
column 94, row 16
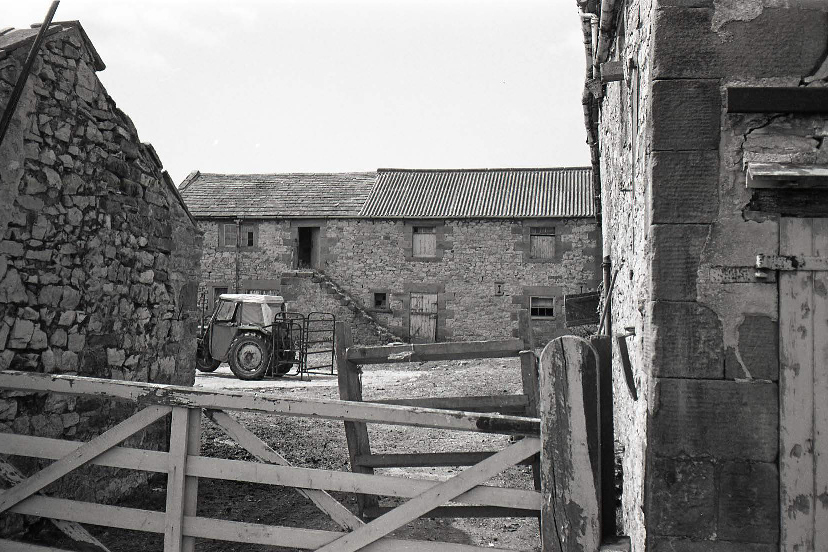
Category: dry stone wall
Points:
column 98, row 258
column 367, row 256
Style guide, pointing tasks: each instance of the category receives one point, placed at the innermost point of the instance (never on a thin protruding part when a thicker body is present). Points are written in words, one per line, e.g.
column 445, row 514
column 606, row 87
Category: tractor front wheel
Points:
column 249, row 356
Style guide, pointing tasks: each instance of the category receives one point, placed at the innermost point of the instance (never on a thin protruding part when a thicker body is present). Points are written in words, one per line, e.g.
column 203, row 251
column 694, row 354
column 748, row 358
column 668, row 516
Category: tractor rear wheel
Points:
column 249, row 356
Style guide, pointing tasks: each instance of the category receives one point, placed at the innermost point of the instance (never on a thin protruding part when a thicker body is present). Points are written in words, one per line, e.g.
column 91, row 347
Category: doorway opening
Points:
column 307, row 253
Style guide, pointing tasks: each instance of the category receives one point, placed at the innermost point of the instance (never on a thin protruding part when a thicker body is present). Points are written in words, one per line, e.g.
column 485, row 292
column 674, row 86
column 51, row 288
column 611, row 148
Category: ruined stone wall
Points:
column 706, row 355
column 98, row 259
column 365, row 257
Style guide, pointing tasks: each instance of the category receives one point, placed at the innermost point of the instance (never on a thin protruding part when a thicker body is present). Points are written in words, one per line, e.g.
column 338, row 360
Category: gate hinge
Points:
column 764, row 263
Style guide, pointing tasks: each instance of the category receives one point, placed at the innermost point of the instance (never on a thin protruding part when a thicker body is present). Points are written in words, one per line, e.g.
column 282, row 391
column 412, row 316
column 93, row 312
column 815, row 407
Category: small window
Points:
column 424, row 241
column 248, row 237
column 542, row 242
column 381, row 301
column 228, row 235
column 542, row 307
column 218, row 290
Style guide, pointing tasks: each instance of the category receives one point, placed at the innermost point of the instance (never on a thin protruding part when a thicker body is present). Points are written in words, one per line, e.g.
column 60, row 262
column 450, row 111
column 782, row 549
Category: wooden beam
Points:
column 436, row 496
column 776, row 99
column 191, row 483
column 15, row 546
column 217, row 529
column 786, row 176
column 82, row 455
column 418, row 352
column 269, row 474
column 75, row 531
column 258, row 448
column 176, row 480
column 570, row 456
column 487, row 403
column 424, row 459
column 173, row 395
column 462, row 512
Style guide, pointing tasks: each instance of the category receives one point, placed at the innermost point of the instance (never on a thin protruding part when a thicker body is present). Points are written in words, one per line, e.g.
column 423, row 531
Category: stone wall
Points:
column 98, row 257
column 700, row 445
column 365, row 256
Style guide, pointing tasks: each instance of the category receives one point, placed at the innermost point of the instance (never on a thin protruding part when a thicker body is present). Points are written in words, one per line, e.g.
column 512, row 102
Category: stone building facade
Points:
column 700, row 171
column 99, row 257
column 431, row 255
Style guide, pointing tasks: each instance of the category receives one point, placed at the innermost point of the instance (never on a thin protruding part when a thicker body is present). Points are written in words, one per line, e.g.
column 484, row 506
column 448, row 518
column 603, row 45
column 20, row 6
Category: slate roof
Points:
column 294, row 195
column 481, row 193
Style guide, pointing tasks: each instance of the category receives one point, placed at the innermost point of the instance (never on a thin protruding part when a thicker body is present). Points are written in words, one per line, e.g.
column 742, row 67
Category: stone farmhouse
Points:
column 98, row 255
column 707, row 122
column 420, row 255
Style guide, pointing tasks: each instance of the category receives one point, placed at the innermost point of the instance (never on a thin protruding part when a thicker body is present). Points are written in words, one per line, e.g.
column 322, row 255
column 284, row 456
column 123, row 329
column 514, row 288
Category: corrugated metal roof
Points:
column 294, row 195
column 481, row 193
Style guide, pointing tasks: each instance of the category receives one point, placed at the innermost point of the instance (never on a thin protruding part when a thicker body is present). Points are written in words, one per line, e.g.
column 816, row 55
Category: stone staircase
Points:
column 349, row 301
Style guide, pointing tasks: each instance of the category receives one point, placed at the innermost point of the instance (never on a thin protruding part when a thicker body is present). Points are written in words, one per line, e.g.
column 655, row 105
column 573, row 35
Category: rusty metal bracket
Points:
column 766, row 263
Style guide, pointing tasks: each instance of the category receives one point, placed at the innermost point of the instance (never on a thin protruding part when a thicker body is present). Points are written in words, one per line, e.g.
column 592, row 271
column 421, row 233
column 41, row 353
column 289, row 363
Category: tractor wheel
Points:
column 207, row 364
column 249, row 356
column 284, row 367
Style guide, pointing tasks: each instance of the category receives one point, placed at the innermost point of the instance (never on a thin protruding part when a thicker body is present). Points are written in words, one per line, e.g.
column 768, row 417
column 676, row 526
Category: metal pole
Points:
column 24, row 73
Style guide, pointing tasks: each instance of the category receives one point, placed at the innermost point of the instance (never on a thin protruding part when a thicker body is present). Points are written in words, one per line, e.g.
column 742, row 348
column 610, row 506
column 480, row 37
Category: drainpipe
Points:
column 238, row 248
column 593, row 24
column 602, row 49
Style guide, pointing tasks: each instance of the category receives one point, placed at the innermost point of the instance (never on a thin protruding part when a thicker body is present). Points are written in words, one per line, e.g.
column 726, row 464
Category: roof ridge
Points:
column 486, row 169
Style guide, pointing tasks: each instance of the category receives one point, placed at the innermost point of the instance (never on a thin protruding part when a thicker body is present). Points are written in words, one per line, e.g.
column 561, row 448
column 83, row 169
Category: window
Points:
column 542, row 242
column 381, row 301
column 542, row 307
column 229, row 236
column 218, row 290
column 226, row 311
column 424, row 241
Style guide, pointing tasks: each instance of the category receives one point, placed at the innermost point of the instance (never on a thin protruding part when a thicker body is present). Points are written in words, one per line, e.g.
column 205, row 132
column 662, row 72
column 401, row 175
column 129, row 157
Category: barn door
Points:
column 423, row 317
column 803, row 384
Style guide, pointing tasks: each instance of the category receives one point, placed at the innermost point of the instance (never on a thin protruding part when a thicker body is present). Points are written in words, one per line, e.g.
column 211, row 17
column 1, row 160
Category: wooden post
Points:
column 176, row 481
column 529, row 377
column 570, row 450
column 191, row 483
column 603, row 345
column 350, row 389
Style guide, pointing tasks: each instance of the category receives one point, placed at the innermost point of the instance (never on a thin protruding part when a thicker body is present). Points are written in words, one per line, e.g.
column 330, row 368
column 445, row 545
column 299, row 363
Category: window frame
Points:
column 423, row 230
column 242, row 232
column 532, row 307
column 537, row 231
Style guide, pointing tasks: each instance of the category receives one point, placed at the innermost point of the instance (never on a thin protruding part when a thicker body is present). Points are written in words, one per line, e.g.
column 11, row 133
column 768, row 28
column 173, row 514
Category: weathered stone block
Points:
column 722, row 419
column 21, row 334
column 682, row 497
column 676, row 251
column 668, row 544
column 686, row 115
column 758, row 350
column 685, row 186
column 684, row 340
column 749, row 502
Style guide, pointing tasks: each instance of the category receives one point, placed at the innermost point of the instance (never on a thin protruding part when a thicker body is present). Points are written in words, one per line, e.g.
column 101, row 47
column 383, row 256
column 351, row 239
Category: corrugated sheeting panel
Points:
column 481, row 193
column 277, row 195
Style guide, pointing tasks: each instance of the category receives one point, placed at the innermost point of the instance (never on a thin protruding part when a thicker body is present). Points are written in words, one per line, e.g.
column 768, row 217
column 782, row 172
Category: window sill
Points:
column 381, row 311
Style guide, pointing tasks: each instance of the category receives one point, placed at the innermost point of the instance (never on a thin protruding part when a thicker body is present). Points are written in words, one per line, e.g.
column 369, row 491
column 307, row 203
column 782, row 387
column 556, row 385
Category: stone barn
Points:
column 99, row 257
column 707, row 122
column 420, row 255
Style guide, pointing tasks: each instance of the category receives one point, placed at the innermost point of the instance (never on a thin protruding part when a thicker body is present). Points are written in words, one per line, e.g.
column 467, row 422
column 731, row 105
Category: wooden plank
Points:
column 424, row 459
column 258, row 448
column 254, row 472
column 581, row 309
column 191, row 483
column 462, row 512
column 820, row 318
column 154, row 393
column 176, row 480
column 75, row 531
column 487, row 403
column 218, row 529
column 418, row 352
column 81, row 455
column 350, row 389
column 570, row 455
column 796, row 379
column 436, row 496
column 15, row 546
column 776, row 99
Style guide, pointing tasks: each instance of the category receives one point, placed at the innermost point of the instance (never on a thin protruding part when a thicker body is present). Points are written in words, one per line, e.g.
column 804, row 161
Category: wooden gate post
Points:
column 570, row 447
column 350, row 389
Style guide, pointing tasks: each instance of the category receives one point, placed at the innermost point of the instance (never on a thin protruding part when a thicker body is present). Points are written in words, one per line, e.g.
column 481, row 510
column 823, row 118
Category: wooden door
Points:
column 423, row 317
column 803, row 389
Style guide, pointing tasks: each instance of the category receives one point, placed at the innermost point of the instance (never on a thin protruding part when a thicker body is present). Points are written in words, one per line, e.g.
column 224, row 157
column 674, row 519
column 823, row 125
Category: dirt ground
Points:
column 321, row 444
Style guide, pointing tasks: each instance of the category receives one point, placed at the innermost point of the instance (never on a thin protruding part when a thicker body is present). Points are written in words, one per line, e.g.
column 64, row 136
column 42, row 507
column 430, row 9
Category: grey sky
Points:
column 317, row 86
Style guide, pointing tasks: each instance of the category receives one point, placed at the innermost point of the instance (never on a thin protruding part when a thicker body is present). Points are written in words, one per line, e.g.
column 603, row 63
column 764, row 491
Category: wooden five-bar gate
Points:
column 568, row 502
